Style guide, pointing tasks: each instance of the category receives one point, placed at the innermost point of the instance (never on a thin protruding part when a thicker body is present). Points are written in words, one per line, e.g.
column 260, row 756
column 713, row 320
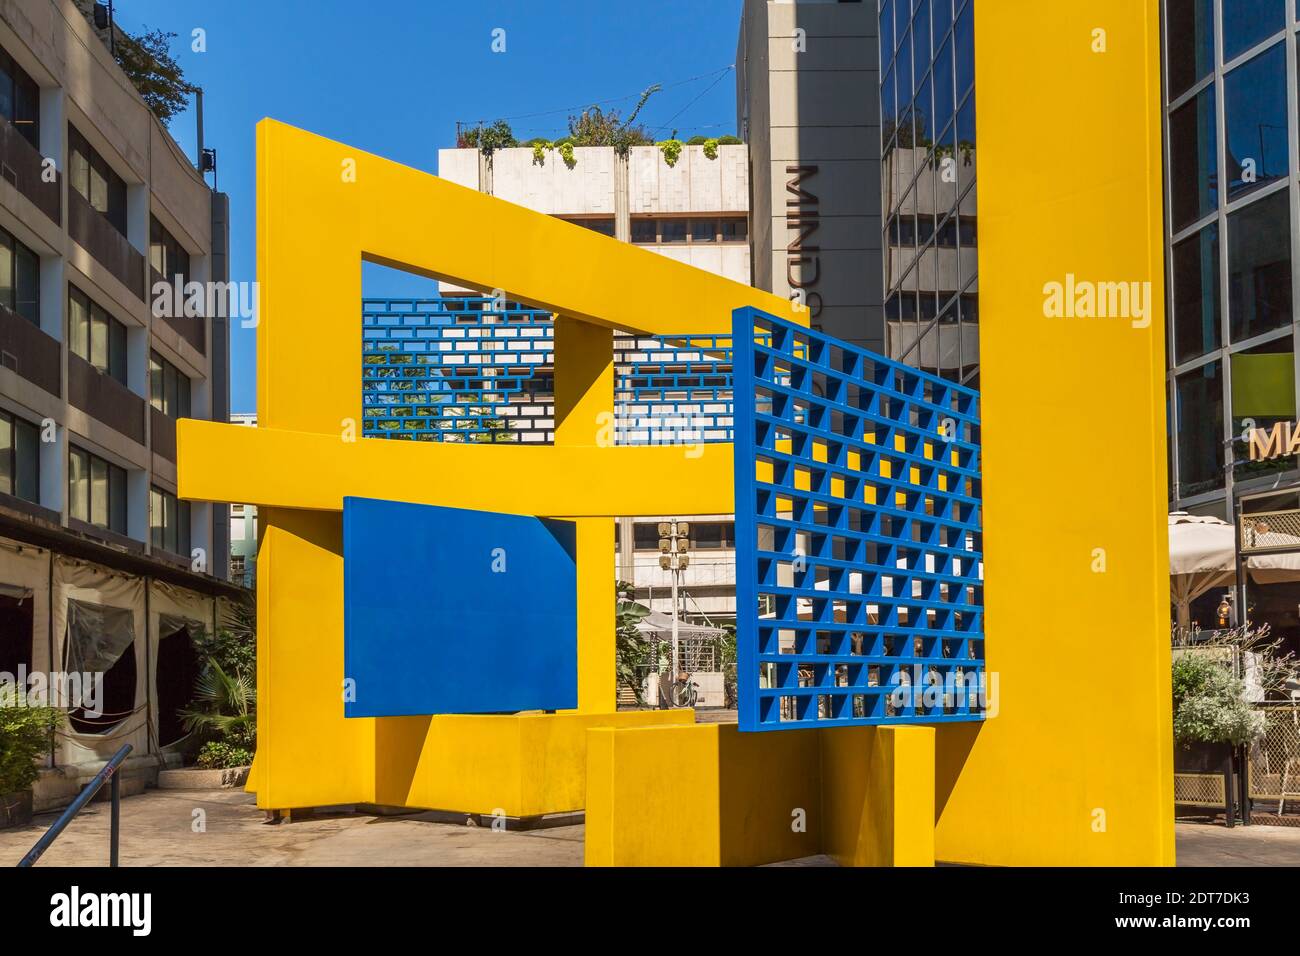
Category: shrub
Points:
column 24, row 736
column 1210, row 705
column 215, row 755
column 672, row 149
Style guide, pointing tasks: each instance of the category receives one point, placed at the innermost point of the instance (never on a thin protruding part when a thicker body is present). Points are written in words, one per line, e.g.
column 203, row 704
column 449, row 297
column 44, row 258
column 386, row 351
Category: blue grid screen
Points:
column 859, row 579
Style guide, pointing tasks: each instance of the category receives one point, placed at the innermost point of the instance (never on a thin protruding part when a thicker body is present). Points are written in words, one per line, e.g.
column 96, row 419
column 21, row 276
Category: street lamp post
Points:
column 674, row 545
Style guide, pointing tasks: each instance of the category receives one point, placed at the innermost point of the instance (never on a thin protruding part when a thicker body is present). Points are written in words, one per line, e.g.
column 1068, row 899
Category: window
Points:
column 237, row 567
column 1259, row 267
column 1196, row 294
column 20, row 458
column 704, row 230
column 1254, row 108
column 169, row 388
column 672, row 230
column 1200, row 429
column 90, row 175
column 1248, row 22
column 1189, row 33
column 167, row 256
column 169, row 522
column 603, row 226
column 645, row 537
column 20, row 100
column 644, row 230
column 1193, row 169
column 712, row 535
column 735, row 230
column 20, row 278
column 96, row 491
column 96, row 336
column 964, row 38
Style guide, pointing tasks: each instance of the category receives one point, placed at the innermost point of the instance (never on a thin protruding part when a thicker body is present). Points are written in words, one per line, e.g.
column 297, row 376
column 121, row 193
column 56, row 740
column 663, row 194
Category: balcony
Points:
column 105, row 399
column 162, row 434
column 21, row 164
column 27, row 350
column 190, row 328
column 93, row 232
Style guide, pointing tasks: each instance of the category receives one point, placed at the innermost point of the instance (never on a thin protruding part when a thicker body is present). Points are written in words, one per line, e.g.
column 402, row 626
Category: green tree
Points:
column 148, row 62
column 499, row 135
column 596, row 127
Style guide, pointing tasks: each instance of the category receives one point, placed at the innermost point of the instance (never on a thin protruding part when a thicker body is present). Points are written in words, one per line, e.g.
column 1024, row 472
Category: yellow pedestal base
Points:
column 708, row 795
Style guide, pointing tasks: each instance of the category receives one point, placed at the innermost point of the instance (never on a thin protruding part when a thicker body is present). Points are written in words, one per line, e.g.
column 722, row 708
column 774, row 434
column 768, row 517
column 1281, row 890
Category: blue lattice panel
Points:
column 859, row 589
column 461, row 368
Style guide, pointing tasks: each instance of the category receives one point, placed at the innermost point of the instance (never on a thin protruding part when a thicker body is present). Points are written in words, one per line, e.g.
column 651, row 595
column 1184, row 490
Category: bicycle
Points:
column 682, row 692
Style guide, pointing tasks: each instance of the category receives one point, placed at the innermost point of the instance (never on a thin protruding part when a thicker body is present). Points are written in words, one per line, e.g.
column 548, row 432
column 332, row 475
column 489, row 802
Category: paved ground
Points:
column 158, row 829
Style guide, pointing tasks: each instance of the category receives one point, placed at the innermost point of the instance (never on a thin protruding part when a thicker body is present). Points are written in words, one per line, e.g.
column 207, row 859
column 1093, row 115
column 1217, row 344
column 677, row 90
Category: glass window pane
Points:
column 78, row 324
column 1262, row 394
column 117, row 499
column 903, row 75
column 1196, row 294
column 1259, row 267
column 944, row 103
column 6, row 455
column 8, row 297
column 182, row 409
column 27, row 280
column 1200, row 429
column 1192, row 173
column 78, row 163
column 1254, row 109
column 887, row 34
column 99, row 338
column 7, row 68
column 117, row 350
column 704, row 230
column 183, row 528
column 644, row 230
column 27, row 461
column 156, row 393
column 964, row 38
column 673, row 230
column 79, row 485
column 1189, row 38
column 921, row 31
column 735, row 230
column 888, row 108
column 1248, row 22
column 155, row 518
column 99, row 184
column 27, row 108
column 98, row 491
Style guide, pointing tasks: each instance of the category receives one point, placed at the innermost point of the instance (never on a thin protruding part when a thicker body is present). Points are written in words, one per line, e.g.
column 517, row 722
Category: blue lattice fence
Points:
column 859, row 577
column 462, row 368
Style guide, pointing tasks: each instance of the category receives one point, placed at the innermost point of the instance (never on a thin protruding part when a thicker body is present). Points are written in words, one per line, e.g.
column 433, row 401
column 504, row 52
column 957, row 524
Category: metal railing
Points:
column 107, row 775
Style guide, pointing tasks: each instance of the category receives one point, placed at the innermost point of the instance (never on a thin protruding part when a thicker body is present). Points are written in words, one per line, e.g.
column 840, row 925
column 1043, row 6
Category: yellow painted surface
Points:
column 864, row 795
column 564, row 481
column 323, row 207
column 518, row 765
column 877, row 786
column 1076, row 766
column 700, row 795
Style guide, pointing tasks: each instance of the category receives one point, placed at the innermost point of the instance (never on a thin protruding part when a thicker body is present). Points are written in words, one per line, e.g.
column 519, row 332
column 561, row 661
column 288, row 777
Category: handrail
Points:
column 109, row 773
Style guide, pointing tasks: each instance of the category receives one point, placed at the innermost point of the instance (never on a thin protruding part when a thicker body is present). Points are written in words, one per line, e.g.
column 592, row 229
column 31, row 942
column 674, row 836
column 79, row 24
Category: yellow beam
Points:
column 303, row 470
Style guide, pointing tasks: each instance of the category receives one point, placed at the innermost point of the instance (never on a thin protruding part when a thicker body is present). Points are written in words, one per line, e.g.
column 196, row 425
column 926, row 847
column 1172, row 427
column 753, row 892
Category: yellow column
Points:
column 584, row 412
column 878, row 795
column 1074, row 766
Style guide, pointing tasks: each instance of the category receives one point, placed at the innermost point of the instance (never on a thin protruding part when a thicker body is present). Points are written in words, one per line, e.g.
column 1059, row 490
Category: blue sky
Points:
column 394, row 76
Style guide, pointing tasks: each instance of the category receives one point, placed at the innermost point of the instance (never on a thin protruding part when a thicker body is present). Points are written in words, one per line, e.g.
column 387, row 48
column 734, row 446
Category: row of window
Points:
column 695, row 230
column 97, row 488
column 90, row 174
column 20, row 278
column 166, row 255
column 705, row 535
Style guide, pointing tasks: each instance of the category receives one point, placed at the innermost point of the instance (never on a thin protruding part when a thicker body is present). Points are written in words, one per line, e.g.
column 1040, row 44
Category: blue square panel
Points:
column 449, row 611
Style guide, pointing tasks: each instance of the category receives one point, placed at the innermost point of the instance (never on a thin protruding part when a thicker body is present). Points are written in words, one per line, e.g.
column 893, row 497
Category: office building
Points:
column 101, row 565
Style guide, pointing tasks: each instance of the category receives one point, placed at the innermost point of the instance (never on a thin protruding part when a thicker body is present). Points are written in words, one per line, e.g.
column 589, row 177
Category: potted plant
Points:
column 24, row 736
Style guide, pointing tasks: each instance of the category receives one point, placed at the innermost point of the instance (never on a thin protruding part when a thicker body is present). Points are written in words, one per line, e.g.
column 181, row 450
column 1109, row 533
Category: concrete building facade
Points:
column 97, row 205
column 807, row 73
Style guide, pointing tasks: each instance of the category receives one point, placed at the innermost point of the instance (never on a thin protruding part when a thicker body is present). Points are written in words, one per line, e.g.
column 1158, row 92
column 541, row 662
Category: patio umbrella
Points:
column 1202, row 555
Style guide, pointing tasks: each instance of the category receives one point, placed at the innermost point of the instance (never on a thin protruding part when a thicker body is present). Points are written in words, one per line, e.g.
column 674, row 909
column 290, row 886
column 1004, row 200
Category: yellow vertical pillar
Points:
column 1075, row 764
column 877, row 791
column 584, row 414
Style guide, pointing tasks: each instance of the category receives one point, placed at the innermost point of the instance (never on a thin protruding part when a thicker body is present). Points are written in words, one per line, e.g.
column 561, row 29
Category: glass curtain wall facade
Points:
column 1231, row 166
column 927, row 128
